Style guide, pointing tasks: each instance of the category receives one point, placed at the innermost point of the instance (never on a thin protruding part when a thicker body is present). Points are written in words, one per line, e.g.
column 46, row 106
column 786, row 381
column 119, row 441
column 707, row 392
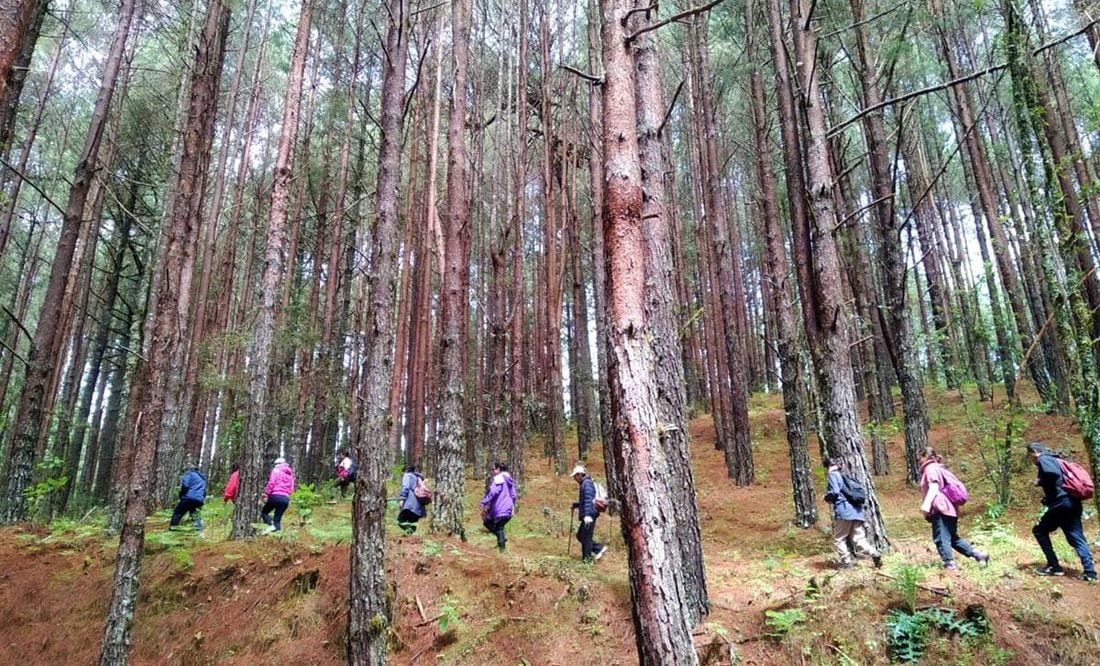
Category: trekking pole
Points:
column 569, row 535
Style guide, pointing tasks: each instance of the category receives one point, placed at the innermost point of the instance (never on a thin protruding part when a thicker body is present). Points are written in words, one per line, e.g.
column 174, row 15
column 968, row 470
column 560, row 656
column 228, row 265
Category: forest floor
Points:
column 776, row 594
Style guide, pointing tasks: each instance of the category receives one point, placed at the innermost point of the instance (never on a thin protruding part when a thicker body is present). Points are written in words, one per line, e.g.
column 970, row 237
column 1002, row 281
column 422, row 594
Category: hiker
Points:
column 499, row 502
column 1063, row 512
column 346, row 471
column 586, row 504
column 276, row 497
column 231, row 486
column 847, row 517
column 412, row 508
column 192, row 497
column 943, row 494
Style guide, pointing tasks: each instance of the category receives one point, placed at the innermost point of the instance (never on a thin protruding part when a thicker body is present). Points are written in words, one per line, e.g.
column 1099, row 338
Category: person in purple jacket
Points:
column 499, row 503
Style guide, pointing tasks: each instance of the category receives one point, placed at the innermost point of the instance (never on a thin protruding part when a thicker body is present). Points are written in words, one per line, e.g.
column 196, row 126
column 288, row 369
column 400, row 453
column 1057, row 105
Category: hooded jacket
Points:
column 935, row 502
column 409, row 500
column 586, row 499
column 230, row 492
column 842, row 508
column 281, row 481
column 1050, row 479
column 500, row 500
column 193, row 486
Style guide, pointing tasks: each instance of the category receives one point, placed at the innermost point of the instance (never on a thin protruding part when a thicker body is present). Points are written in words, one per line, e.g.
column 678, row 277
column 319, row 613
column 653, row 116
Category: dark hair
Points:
column 1038, row 447
column 826, row 462
column 410, row 469
column 930, row 452
column 501, row 466
column 235, row 467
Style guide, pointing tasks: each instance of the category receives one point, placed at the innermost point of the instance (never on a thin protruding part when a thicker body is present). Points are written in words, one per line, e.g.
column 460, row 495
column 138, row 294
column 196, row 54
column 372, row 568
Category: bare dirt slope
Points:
column 776, row 595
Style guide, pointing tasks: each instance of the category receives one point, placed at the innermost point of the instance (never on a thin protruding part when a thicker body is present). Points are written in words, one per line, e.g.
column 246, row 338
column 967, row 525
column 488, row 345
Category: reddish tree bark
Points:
column 253, row 467
column 30, row 420
column 165, row 328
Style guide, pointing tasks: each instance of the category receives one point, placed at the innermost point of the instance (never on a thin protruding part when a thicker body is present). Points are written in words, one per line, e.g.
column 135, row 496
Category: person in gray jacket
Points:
column 412, row 509
column 847, row 520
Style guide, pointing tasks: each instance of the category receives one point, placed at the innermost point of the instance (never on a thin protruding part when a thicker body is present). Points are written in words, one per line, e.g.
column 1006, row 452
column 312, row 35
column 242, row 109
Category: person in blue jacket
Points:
column 192, row 497
column 586, row 504
column 847, row 520
column 412, row 509
column 1063, row 512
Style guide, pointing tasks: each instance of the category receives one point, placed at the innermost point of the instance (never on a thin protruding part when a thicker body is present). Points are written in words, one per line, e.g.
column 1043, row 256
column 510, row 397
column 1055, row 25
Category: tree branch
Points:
column 30, row 182
column 595, row 80
column 672, row 19
column 671, row 106
column 953, row 82
column 18, row 323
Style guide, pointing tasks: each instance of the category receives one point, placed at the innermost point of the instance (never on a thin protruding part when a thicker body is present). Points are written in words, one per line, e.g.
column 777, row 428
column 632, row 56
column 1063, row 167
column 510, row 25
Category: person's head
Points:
column 410, row 469
column 499, row 467
column 1036, row 449
column 827, row 462
column 579, row 473
column 235, row 467
column 929, row 453
column 344, row 453
column 280, row 461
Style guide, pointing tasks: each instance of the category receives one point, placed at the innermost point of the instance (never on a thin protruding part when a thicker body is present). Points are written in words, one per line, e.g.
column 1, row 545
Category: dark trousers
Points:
column 496, row 526
column 945, row 532
column 1066, row 516
column 407, row 520
column 187, row 506
column 586, row 534
column 278, row 504
column 343, row 484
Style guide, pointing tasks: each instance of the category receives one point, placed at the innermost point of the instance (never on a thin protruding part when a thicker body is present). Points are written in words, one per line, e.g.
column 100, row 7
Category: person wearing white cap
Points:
column 276, row 497
column 586, row 504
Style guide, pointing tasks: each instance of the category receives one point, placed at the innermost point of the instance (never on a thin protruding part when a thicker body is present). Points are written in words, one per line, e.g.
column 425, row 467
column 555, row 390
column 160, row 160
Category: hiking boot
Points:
column 1051, row 571
column 599, row 553
column 982, row 558
column 1088, row 577
column 951, row 566
column 877, row 561
column 271, row 530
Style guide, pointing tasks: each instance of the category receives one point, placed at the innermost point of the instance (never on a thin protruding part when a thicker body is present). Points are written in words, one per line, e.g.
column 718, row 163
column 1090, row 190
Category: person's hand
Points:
column 588, row 520
column 927, row 515
column 576, row 505
column 263, row 500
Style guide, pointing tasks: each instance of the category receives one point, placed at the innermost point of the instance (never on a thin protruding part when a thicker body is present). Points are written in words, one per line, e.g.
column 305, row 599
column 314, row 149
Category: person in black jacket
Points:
column 1063, row 512
column 586, row 503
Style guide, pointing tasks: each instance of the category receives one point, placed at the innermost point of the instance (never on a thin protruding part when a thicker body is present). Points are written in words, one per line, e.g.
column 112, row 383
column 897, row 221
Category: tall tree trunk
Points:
column 450, row 477
column 165, row 328
column 903, row 351
column 30, row 420
column 662, row 328
column 599, row 271
column 778, row 288
column 830, row 318
column 20, row 25
column 661, row 609
column 253, row 464
column 517, row 365
column 738, row 448
column 368, row 613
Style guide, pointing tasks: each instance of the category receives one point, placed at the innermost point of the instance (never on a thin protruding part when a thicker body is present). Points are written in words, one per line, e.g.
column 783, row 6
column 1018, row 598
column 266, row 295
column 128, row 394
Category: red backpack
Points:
column 1076, row 480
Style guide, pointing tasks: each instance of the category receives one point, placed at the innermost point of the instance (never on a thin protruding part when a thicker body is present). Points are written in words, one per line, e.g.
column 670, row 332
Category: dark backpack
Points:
column 853, row 491
column 352, row 471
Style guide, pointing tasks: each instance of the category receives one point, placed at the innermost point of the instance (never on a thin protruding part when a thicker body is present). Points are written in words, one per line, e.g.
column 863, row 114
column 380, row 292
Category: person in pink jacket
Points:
column 941, row 512
column 280, row 486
